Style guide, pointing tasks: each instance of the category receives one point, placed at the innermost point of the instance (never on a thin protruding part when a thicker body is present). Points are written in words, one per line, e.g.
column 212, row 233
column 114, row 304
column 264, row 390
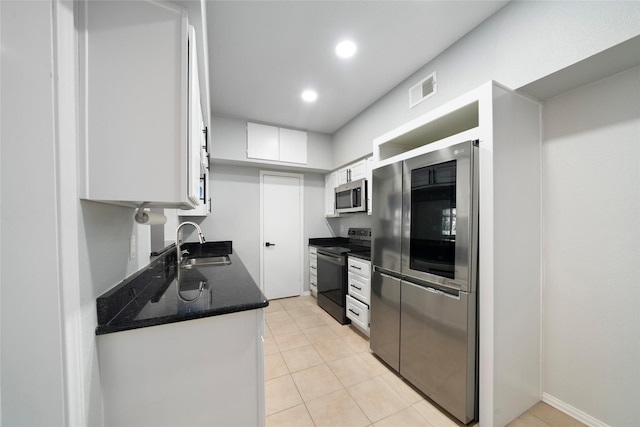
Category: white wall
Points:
column 522, row 42
column 58, row 253
column 235, row 194
column 31, row 359
column 591, row 240
column 342, row 224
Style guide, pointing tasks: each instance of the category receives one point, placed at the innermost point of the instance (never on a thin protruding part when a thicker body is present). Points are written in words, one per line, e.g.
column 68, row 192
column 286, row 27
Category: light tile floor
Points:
column 321, row 373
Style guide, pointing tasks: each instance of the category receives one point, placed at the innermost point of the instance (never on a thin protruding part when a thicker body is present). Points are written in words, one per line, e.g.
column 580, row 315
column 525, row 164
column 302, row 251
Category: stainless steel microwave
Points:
column 352, row 197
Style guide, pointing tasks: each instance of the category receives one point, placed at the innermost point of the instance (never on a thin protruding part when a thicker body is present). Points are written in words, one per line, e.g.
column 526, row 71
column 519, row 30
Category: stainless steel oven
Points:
column 332, row 282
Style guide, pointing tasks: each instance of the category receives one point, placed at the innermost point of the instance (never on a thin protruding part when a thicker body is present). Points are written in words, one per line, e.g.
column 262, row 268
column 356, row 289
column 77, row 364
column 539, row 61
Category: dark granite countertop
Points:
column 354, row 250
column 154, row 296
column 362, row 255
column 328, row 241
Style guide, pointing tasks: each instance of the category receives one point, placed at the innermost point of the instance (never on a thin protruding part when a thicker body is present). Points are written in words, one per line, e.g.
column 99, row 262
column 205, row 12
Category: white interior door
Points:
column 281, row 234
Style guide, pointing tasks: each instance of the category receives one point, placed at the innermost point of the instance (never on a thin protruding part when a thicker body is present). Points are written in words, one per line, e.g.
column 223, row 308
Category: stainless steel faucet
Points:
column 179, row 253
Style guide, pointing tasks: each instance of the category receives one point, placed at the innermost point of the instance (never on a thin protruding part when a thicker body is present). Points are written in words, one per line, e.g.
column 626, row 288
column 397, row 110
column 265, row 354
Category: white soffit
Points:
column 616, row 59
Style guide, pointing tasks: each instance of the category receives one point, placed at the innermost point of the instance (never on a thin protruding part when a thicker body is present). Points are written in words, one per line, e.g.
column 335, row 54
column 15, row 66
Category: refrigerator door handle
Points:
column 453, row 294
column 388, row 276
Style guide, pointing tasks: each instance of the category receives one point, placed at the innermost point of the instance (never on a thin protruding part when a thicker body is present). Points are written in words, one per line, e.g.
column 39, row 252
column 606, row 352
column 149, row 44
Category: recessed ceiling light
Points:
column 346, row 49
column 309, row 95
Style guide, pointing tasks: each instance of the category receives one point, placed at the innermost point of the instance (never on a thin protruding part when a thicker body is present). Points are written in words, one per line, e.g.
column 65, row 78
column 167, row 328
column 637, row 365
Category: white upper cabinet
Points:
column 342, row 176
column 358, row 170
column 276, row 144
column 293, row 146
column 198, row 146
column 263, row 142
column 353, row 172
column 134, row 104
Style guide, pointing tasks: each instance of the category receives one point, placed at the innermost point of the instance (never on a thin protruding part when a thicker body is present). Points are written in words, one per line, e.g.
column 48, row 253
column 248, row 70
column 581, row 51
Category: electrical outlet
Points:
column 132, row 247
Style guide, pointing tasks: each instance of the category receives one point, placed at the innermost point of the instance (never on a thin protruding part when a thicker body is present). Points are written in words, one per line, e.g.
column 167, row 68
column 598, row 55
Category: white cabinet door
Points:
column 198, row 372
column 330, row 184
column 342, row 176
column 263, row 142
column 293, row 146
column 198, row 157
column 133, row 62
column 276, row 144
column 358, row 170
column 352, row 172
column 195, row 121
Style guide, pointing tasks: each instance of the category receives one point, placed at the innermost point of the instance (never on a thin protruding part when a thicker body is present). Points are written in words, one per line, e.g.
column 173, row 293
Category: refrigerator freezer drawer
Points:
column 438, row 347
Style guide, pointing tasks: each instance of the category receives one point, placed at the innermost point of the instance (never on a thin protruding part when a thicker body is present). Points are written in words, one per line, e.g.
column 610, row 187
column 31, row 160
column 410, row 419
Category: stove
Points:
column 332, row 272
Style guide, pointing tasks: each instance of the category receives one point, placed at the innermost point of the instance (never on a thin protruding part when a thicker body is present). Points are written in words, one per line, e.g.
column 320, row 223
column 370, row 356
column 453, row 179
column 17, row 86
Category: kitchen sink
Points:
column 210, row 260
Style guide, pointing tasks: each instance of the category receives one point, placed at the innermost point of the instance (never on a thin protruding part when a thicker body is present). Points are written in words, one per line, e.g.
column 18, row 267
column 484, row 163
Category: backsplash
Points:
column 342, row 224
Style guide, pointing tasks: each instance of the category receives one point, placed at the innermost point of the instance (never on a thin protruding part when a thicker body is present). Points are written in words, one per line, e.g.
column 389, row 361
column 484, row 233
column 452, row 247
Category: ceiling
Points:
column 263, row 54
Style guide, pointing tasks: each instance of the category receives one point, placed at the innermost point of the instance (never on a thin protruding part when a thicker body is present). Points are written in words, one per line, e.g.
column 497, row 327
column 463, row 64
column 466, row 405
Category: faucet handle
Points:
column 184, row 252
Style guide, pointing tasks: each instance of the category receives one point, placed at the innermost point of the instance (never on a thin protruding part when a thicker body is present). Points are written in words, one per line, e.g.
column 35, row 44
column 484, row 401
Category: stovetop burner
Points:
column 359, row 241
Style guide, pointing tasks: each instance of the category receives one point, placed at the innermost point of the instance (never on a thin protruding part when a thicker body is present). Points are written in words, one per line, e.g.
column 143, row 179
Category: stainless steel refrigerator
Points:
column 424, row 253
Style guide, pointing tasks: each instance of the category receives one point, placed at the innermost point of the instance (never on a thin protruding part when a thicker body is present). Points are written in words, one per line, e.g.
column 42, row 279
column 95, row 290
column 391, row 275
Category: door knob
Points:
column 269, row 244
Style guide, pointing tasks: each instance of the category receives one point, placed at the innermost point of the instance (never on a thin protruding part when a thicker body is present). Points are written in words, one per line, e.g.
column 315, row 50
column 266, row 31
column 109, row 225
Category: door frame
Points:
column 262, row 239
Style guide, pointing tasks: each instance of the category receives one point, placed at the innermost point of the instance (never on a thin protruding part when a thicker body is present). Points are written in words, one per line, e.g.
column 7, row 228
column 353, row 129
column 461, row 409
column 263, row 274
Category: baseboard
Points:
column 571, row 411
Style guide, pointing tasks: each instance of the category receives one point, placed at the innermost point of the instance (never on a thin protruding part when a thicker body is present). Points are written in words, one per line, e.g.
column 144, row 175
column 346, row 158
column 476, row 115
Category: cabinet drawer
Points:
column 313, row 251
column 314, row 290
column 358, row 313
column 313, row 278
column 359, row 287
column 360, row 267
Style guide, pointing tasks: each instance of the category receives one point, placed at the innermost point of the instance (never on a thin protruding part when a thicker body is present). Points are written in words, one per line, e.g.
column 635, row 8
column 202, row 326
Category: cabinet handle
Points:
column 357, row 314
column 354, row 286
column 357, row 268
column 315, row 268
column 204, row 189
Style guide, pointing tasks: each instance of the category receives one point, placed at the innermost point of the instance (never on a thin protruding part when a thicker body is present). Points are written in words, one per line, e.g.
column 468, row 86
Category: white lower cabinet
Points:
column 359, row 292
column 200, row 372
column 313, row 270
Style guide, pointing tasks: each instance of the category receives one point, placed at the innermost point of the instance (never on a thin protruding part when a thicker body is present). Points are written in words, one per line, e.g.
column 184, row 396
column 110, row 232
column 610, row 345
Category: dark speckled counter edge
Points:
column 337, row 241
column 127, row 298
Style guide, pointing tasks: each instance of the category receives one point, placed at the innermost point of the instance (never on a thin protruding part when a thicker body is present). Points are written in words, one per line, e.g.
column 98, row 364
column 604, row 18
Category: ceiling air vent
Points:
column 423, row 90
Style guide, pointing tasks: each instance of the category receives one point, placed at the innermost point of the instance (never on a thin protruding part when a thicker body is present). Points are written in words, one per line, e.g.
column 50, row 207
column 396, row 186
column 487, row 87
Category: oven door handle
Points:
column 337, row 260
